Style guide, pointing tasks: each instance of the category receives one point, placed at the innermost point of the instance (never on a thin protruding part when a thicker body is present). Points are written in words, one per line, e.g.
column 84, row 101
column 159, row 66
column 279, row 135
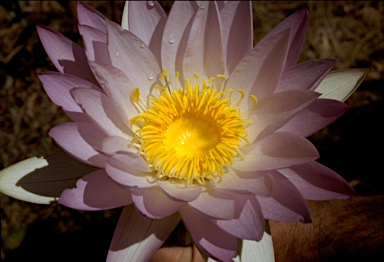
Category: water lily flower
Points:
column 180, row 118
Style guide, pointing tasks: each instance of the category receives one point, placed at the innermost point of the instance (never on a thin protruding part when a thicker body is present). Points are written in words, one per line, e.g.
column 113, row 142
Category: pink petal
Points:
column 93, row 28
column 90, row 17
column 298, row 23
column 137, row 238
column 118, row 88
column 95, row 42
column 147, row 22
column 179, row 191
column 133, row 57
column 248, row 222
column 80, row 141
column 67, row 56
column 316, row 116
column 317, row 182
column 204, row 51
column 113, row 144
column 259, row 72
column 175, row 36
column 58, row 87
column 144, row 19
column 96, row 191
column 237, row 27
column 274, row 111
column 215, row 204
column 278, row 150
column 238, row 182
column 153, row 203
column 102, row 112
column 208, row 237
column 129, row 169
column 306, row 75
column 286, row 203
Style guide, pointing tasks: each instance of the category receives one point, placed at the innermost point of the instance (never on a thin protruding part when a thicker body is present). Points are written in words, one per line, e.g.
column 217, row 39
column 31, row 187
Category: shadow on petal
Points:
column 61, row 172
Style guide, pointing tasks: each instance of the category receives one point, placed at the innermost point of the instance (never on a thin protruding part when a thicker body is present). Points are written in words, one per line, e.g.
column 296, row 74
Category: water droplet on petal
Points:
column 151, row 3
column 171, row 39
column 142, row 45
column 253, row 119
column 117, row 53
column 150, row 76
column 203, row 5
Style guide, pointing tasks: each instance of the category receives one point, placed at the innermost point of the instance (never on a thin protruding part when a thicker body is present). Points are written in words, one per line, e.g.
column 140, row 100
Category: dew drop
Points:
column 253, row 119
column 151, row 3
column 150, row 77
column 203, row 5
column 171, row 39
column 117, row 53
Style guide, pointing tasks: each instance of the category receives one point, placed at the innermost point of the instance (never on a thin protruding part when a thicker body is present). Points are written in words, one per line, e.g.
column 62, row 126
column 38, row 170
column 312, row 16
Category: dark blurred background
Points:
column 352, row 146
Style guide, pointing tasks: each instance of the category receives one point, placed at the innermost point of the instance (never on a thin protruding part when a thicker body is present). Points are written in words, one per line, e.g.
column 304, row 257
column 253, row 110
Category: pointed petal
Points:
column 42, row 180
column 132, row 57
column 124, row 18
column 67, row 56
column 118, row 88
column 102, row 112
column 208, row 237
column 179, row 191
column 147, row 22
column 95, row 42
column 58, row 87
column 175, row 36
column 278, row 150
column 316, row 116
column 93, row 28
column 96, row 191
column 204, row 51
column 298, row 22
column 286, row 203
column 259, row 72
column 144, row 19
column 257, row 251
column 237, row 27
column 215, row 204
column 153, row 203
column 137, row 238
column 90, row 17
column 306, row 75
column 80, row 141
column 274, row 111
column 317, row 182
column 248, row 222
column 340, row 84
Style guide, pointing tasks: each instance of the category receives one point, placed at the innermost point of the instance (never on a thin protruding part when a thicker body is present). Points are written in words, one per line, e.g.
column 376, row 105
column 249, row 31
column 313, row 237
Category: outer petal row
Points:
column 278, row 150
column 96, row 191
column 137, row 238
column 42, row 180
column 67, row 56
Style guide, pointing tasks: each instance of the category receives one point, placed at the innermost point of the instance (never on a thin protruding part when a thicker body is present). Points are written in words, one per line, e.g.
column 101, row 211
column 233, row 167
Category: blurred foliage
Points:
column 351, row 31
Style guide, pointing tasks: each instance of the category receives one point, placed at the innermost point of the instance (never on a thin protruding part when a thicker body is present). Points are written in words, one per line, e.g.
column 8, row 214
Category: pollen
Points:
column 191, row 133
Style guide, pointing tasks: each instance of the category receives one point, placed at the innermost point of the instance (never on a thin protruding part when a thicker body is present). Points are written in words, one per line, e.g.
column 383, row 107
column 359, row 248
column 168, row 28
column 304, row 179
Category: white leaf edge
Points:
column 11, row 175
column 340, row 84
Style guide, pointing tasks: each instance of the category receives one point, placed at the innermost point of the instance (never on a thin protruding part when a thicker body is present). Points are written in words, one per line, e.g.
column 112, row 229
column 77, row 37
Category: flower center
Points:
column 190, row 133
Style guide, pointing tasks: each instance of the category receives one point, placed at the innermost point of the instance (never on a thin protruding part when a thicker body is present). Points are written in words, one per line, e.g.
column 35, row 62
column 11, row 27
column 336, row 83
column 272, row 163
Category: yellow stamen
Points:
column 191, row 133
